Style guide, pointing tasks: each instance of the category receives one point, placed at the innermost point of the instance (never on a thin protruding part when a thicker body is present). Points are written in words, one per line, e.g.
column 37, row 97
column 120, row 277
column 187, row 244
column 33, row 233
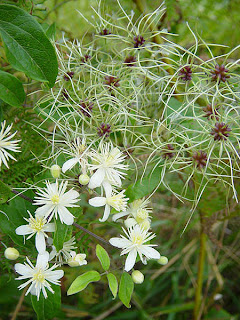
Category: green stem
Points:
column 202, row 252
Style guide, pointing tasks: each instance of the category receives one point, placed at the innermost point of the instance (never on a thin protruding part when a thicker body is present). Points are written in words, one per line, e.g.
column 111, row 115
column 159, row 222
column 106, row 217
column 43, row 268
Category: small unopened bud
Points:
column 83, row 179
column 55, row 171
column 137, row 277
column 145, row 224
column 130, row 222
column 163, row 260
column 11, row 253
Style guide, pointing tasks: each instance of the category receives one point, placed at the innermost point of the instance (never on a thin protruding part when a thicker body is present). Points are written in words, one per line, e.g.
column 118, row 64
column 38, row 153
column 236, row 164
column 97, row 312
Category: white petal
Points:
column 149, row 252
column 42, row 259
column 131, row 259
column 97, row 178
column 69, row 164
column 55, row 275
column 45, row 210
column 119, row 215
column 23, row 230
column 65, row 215
column 106, row 213
column 40, row 242
column 119, row 242
column 97, row 201
column 108, row 188
column 50, row 227
column 22, row 269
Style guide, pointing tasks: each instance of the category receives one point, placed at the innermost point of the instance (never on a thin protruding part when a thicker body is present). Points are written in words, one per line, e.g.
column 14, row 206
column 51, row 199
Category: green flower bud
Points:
column 11, row 253
column 55, row 171
column 137, row 277
column 163, row 260
column 83, row 179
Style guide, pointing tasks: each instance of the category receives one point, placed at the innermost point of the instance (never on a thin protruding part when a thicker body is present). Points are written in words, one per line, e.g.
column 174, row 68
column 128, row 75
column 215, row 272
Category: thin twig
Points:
column 91, row 234
column 22, row 195
column 19, row 305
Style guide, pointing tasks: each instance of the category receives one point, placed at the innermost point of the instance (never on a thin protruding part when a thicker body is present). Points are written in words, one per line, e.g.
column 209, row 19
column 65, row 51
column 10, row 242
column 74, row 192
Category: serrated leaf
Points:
column 61, row 234
column 126, row 289
column 47, row 308
column 113, row 284
column 103, row 257
column 81, row 282
column 5, row 192
column 27, row 47
column 145, row 186
column 11, row 89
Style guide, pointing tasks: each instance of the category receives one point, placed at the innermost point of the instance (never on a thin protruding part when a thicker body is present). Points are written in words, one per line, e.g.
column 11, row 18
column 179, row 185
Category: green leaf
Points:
column 103, row 257
column 126, row 289
column 145, row 186
column 81, row 282
column 11, row 89
column 61, row 234
column 51, row 31
column 5, row 192
column 47, row 308
column 27, row 47
column 113, row 284
column 11, row 217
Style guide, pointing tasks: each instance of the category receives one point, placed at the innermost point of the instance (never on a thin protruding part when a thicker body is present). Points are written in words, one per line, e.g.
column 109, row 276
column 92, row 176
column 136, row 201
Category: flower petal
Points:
column 40, row 242
column 23, row 230
column 42, row 260
column 119, row 242
column 97, row 178
column 149, row 252
column 97, row 201
column 49, row 227
column 69, row 164
column 131, row 259
column 106, row 213
column 24, row 270
column 65, row 215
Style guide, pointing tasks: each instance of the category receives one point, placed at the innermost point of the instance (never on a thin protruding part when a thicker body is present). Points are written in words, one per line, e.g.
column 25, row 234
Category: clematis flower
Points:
column 78, row 152
column 54, row 201
column 39, row 275
column 77, row 260
column 64, row 253
column 36, row 226
column 112, row 199
column 108, row 165
column 6, row 144
column 134, row 244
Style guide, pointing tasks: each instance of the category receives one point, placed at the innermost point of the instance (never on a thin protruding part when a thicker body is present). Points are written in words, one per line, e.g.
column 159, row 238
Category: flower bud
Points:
column 130, row 222
column 83, row 179
column 137, row 277
column 55, row 171
column 11, row 253
column 145, row 224
column 163, row 260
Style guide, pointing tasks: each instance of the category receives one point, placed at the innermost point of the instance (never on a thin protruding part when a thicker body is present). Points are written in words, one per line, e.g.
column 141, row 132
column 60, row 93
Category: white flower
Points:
column 39, row 275
column 134, row 244
column 115, row 200
column 38, row 226
column 64, row 253
column 6, row 145
column 108, row 166
column 54, row 201
column 77, row 260
column 78, row 152
column 137, row 210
